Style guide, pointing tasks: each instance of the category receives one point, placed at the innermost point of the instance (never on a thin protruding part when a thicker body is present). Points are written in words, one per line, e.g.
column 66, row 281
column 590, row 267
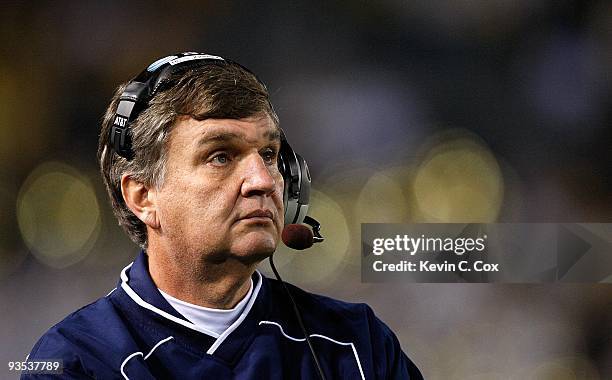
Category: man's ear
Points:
column 141, row 200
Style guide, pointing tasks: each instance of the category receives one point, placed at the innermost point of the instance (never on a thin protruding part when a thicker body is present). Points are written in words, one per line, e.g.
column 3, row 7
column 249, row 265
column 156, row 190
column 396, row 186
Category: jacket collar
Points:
column 138, row 278
column 139, row 286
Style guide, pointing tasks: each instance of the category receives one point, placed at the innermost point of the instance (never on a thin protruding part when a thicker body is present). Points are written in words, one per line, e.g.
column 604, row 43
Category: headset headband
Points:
column 136, row 96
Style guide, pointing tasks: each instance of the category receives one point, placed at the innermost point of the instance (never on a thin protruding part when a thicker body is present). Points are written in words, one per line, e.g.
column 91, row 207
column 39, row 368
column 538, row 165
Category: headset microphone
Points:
column 299, row 237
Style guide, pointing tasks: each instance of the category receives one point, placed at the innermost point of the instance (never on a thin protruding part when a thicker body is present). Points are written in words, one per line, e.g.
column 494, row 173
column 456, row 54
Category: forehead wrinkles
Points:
column 214, row 134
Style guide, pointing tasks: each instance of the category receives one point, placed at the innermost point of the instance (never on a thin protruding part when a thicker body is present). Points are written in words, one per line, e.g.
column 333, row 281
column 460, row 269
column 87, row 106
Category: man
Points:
column 197, row 171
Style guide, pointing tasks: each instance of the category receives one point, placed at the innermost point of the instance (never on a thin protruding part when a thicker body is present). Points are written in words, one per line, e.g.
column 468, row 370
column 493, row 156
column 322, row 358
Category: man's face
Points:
column 222, row 194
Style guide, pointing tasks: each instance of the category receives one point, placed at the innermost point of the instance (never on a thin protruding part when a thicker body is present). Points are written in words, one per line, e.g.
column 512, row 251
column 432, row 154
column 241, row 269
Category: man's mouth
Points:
column 259, row 214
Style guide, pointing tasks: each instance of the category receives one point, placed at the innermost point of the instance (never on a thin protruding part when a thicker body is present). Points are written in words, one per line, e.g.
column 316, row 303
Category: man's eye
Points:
column 269, row 156
column 220, row 159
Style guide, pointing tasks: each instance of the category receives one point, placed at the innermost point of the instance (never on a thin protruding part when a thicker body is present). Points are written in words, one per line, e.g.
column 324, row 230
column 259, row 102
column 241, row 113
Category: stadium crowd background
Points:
column 445, row 111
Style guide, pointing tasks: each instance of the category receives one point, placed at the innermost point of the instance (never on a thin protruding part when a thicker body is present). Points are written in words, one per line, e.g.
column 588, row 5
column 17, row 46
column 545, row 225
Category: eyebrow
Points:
column 272, row 135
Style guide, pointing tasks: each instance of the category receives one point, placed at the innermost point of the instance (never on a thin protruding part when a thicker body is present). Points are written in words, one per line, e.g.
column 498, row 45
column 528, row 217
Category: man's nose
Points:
column 258, row 177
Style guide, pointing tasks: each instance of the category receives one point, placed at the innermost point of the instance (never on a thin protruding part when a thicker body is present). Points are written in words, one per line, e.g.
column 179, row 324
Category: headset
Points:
column 157, row 77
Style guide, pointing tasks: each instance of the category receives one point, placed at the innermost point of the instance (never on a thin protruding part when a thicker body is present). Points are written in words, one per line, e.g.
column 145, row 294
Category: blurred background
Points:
column 407, row 111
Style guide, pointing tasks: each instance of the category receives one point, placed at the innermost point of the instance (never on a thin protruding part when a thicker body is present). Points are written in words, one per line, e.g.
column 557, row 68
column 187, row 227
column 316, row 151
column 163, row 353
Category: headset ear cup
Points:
column 290, row 170
column 304, row 192
column 282, row 167
column 304, row 180
column 296, row 193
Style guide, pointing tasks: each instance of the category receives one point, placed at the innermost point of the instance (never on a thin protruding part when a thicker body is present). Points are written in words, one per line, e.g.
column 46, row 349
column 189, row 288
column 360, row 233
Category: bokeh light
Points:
column 458, row 181
column 381, row 200
column 58, row 214
column 565, row 368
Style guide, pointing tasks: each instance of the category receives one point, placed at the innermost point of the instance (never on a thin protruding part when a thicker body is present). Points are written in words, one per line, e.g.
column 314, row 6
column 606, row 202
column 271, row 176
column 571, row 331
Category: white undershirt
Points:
column 215, row 320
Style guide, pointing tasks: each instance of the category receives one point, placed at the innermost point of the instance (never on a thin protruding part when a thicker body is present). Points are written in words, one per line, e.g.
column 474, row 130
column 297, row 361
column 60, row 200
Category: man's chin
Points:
column 253, row 249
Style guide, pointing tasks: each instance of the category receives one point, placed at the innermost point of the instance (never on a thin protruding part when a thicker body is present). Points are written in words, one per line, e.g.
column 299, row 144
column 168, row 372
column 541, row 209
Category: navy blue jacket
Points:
column 133, row 333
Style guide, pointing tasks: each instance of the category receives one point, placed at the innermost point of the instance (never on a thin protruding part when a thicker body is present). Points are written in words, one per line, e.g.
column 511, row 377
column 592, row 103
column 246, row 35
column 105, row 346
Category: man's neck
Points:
column 213, row 285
